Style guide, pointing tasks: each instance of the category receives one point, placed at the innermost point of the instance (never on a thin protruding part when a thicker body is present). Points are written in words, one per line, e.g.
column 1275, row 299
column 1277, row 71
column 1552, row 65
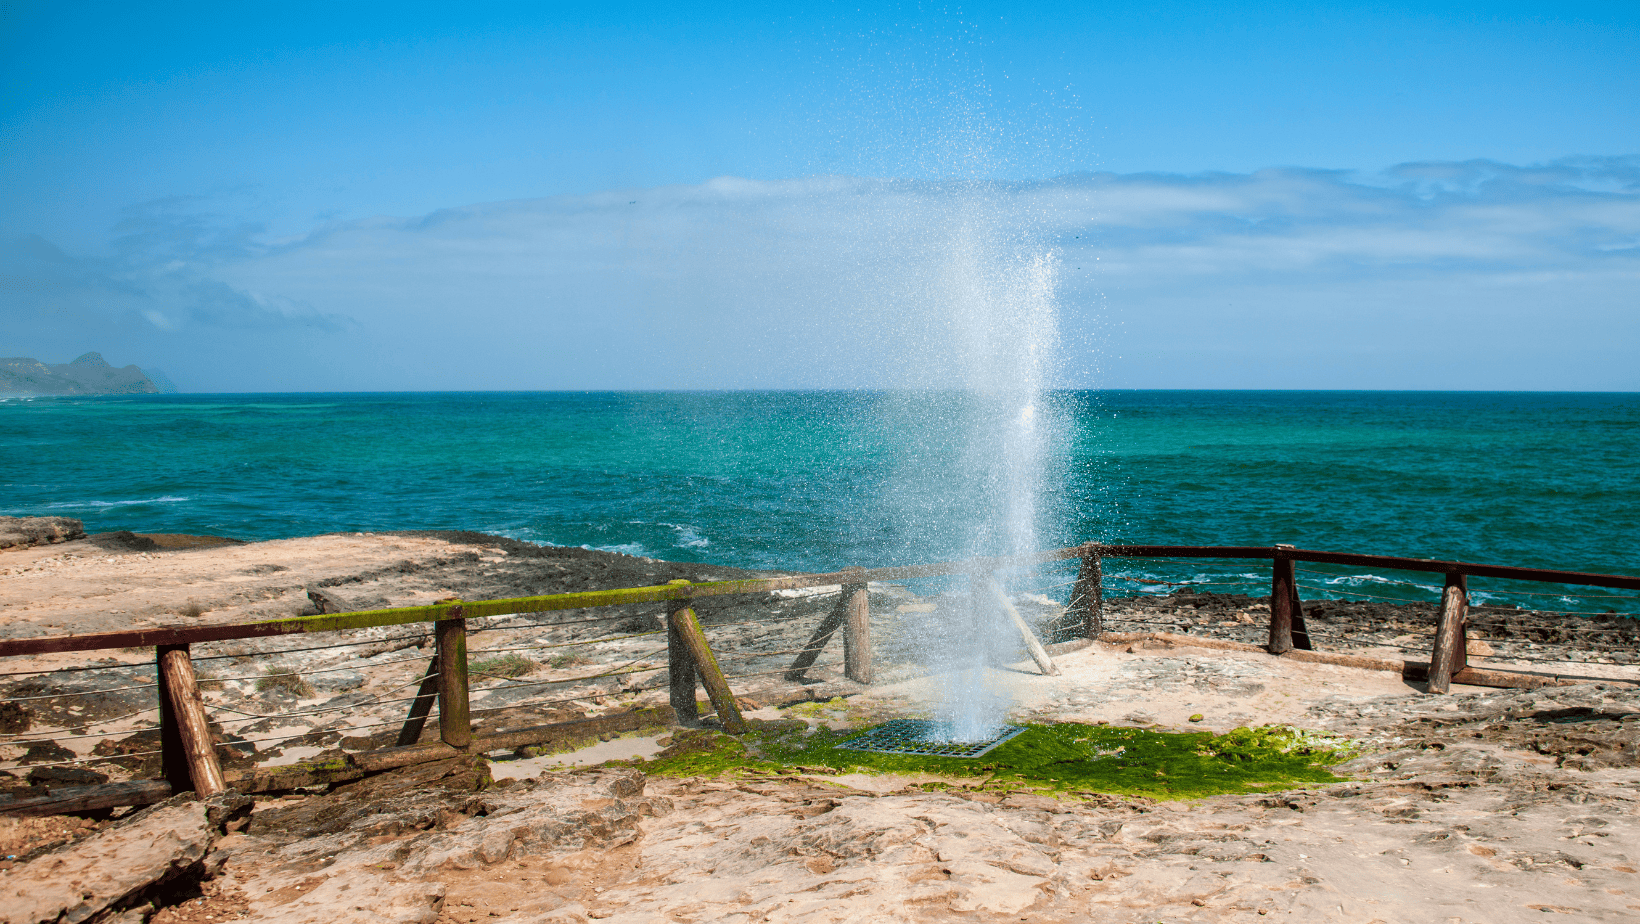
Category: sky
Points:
column 318, row 197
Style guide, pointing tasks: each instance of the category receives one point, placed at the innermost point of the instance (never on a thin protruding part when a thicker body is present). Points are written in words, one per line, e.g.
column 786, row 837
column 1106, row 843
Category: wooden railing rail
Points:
column 190, row 758
column 331, row 622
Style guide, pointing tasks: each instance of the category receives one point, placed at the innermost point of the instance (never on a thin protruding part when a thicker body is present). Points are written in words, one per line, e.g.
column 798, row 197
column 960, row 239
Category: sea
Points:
column 818, row 481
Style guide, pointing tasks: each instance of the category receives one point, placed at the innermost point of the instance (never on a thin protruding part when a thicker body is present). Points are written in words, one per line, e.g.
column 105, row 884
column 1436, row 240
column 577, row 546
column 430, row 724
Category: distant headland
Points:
column 88, row 375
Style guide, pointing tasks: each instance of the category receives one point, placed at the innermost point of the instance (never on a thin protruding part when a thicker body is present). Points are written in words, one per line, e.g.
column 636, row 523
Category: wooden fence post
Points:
column 1301, row 631
column 1451, row 653
column 680, row 667
column 195, row 749
column 1088, row 595
column 173, row 759
column 455, row 725
column 1033, row 646
column 420, row 706
column 1282, row 594
column 817, row 642
column 682, row 621
column 856, row 606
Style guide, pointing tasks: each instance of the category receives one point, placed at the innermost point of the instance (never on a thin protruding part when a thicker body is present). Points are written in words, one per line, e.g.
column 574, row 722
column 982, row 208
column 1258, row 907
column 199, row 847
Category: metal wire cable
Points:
column 1357, row 593
column 140, row 665
column 360, row 705
column 571, row 699
column 784, row 670
column 86, row 760
column 767, row 654
column 551, row 625
column 280, row 651
column 37, row 733
column 545, row 683
column 24, row 699
column 595, row 641
column 320, row 670
column 1512, row 593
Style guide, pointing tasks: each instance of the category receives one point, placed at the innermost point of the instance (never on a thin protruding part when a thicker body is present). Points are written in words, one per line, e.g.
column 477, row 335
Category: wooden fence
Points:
column 189, row 755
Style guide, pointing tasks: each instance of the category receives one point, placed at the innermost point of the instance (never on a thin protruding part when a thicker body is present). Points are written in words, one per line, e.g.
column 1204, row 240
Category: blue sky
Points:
column 363, row 196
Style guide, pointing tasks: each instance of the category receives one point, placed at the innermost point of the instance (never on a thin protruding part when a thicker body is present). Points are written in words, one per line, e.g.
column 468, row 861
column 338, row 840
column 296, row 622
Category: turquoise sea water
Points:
column 825, row 480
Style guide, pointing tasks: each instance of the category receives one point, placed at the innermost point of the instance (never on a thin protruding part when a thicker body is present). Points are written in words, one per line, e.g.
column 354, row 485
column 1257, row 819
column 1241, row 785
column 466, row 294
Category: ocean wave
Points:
column 103, row 505
column 688, row 538
column 625, row 548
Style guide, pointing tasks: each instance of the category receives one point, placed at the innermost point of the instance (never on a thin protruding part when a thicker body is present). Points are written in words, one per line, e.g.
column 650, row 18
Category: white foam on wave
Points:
column 626, row 548
column 103, row 505
column 688, row 537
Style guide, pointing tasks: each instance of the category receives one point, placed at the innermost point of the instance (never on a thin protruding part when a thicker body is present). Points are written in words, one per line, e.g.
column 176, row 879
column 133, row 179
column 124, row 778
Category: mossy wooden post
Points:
column 1451, row 653
column 186, row 710
column 454, row 719
column 1087, row 604
column 680, row 666
column 420, row 707
column 706, row 667
column 856, row 604
column 1283, row 591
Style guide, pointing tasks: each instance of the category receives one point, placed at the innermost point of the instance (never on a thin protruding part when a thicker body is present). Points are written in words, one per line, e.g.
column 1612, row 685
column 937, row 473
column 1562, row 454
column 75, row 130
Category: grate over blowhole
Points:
column 921, row 736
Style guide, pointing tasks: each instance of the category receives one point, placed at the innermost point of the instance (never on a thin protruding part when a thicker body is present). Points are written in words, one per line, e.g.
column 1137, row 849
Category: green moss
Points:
column 1066, row 757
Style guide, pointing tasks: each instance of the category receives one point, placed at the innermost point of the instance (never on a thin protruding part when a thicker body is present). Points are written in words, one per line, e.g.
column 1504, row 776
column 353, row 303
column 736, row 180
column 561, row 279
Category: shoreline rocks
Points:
column 23, row 532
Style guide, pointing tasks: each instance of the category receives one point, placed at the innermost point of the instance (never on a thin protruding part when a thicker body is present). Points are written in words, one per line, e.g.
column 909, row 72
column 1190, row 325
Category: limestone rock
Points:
column 26, row 531
column 73, row 884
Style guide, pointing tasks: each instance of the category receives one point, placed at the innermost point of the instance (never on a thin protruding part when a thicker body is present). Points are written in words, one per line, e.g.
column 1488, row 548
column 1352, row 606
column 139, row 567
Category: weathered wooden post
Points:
column 455, row 725
column 189, row 753
column 1451, row 652
column 1087, row 602
column 683, row 623
column 856, row 608
column 680, row 667
column 1032, row 645
column 1283, row 591
column 421, row 706
column 828, row 627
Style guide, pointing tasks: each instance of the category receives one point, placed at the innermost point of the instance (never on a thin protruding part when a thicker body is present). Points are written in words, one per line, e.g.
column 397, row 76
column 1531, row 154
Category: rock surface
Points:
column 21, row 532
column 113, row 866
column 378, row 850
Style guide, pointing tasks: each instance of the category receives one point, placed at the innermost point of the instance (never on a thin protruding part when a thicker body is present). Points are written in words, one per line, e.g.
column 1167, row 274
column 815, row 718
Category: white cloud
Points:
column 1527, row 277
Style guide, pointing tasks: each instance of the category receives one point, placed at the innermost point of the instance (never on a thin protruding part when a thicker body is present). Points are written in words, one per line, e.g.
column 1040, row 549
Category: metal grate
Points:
column 920, row 736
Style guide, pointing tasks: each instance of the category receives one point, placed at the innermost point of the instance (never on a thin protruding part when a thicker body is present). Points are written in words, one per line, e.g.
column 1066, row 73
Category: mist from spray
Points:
column 969, row 298
column 978, row 434
column 999, row 289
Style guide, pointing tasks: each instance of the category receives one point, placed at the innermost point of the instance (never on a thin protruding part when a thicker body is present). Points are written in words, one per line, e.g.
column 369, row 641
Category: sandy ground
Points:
column 1480, row 806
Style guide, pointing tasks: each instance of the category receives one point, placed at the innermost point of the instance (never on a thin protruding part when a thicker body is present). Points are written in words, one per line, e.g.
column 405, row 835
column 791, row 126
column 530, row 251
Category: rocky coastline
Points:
column 1486, row 804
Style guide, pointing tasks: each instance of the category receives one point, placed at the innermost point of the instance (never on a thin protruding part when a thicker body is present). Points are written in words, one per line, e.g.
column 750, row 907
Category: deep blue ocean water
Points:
column 820, row 480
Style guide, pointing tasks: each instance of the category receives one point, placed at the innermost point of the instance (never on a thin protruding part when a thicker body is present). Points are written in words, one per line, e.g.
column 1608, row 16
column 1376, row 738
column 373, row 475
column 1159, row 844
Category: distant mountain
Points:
column 88, row 375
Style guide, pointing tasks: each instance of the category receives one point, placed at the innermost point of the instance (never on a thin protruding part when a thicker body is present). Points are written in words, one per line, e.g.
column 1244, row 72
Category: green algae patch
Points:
column 1064, row 757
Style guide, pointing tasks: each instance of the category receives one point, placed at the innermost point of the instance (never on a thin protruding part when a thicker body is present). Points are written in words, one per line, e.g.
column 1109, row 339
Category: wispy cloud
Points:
column 1466, row 274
